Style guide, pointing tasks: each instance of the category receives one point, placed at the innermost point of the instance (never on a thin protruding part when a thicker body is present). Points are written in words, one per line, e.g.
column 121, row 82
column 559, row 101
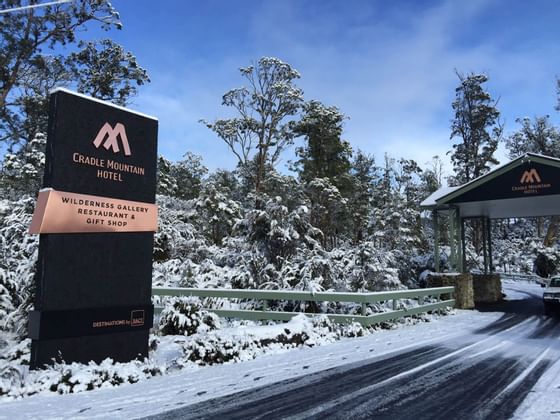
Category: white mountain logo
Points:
column 108, row 137
column 530, row 177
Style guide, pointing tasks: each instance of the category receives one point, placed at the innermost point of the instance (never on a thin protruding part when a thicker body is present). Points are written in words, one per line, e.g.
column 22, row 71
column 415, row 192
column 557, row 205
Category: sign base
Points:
column 124, row 347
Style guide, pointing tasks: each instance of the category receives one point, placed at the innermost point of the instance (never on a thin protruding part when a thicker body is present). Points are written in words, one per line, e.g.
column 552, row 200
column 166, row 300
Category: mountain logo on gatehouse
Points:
column 109, row 136
column 530, row 177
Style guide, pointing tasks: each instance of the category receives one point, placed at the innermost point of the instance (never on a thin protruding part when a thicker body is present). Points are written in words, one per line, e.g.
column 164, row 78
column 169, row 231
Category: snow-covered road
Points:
column 469, row 365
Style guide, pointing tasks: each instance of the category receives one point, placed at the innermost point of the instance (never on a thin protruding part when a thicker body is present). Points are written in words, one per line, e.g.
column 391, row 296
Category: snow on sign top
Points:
column 122, row 108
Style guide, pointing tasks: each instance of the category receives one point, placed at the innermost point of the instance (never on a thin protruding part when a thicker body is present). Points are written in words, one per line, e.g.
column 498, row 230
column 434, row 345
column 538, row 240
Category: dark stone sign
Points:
column 93, row 285
column 528, row 180
column 97, row 149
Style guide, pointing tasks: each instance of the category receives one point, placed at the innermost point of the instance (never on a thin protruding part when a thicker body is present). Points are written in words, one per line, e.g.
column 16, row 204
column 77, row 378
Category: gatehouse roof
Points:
column 528, row 186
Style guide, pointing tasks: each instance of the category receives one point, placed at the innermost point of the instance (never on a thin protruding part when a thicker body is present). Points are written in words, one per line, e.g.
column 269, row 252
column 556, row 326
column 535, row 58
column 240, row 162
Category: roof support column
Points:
column 489, row 236
column 436, row 241
column 463, row 246
column 456, row 239
column 459, row 241
column 484, row 229
column 452, row 244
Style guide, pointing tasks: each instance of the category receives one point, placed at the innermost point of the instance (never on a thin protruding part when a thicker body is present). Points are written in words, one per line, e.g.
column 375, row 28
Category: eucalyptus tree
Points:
column 476, row 125
column 33, row 42
column 534, row 136
column 266, row 108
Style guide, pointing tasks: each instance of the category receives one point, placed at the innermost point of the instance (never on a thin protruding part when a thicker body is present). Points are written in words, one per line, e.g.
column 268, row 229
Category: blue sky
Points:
column 389, row 66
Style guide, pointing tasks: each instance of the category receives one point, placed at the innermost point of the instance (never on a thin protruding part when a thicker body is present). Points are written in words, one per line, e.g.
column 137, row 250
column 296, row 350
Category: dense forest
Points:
column 337, row 219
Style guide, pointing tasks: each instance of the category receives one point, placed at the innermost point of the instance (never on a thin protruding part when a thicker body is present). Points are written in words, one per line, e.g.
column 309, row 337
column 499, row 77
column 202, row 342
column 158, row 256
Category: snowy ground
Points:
column 190, row 386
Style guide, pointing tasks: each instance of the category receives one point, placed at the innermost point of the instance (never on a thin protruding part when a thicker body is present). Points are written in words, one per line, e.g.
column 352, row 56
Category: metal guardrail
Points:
column 525, row 277
column 363, row 298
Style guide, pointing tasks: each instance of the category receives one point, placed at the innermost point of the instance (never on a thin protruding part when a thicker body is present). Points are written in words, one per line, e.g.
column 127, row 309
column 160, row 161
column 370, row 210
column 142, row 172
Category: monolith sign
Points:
column 96, row 216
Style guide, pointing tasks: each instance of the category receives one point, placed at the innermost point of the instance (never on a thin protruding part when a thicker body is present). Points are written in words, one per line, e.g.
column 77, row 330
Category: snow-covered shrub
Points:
column 313, row 270
column 372, row 269
column 185, row 316
column 221, row 347
column 547, row 262
column 422, row 264
column 216, row 349
column 18, row 256
column 76, row 377
column 11, row 377
column 14, row 359
column 16, row 380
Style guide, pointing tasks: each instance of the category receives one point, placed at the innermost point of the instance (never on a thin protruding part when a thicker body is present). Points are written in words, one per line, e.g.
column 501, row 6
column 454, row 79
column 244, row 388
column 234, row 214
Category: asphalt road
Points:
column 485, row 374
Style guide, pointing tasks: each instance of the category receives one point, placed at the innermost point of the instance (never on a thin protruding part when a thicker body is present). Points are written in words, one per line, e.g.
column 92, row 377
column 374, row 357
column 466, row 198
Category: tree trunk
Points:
column 259, row 179
column 552, row 231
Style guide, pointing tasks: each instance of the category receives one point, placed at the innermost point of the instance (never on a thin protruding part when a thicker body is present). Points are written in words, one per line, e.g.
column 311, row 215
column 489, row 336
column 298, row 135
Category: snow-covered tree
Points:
column 361, row 198
column 216, row 213
column 166, row 182
column 286, row 187
column 22, row 171
column 325, row 154
column 104, row 70
column 182, row 179
column 431, row 177
column 228, row 183
column 188, row 174
column 263, row 127
column 276, row 235
column 383, row 216
column 329, row 210
column 537, row 136
column 24, row 37
column 408, row 176
column 476, row 124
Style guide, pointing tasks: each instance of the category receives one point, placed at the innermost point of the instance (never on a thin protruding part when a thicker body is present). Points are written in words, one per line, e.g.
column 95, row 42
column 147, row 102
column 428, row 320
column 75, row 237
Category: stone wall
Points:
column 464, row 295
column 487, row 288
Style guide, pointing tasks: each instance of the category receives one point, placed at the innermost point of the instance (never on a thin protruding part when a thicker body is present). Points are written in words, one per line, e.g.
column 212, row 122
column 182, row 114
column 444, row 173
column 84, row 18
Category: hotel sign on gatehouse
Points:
column 524, row 181
column 531, row 183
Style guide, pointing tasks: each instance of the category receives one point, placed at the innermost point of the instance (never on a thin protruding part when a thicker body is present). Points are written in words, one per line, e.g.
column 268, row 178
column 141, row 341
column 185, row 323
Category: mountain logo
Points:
column 108, row 137
column 530, row 177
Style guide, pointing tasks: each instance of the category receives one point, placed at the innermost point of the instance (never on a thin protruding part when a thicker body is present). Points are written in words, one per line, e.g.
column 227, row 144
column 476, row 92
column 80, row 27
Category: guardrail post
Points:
column 420, row 300
column 395, row 304
column 364, row 308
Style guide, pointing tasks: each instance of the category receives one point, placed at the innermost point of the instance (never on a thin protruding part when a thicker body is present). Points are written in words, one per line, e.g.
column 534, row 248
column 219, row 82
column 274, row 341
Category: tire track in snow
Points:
column 462, row 379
